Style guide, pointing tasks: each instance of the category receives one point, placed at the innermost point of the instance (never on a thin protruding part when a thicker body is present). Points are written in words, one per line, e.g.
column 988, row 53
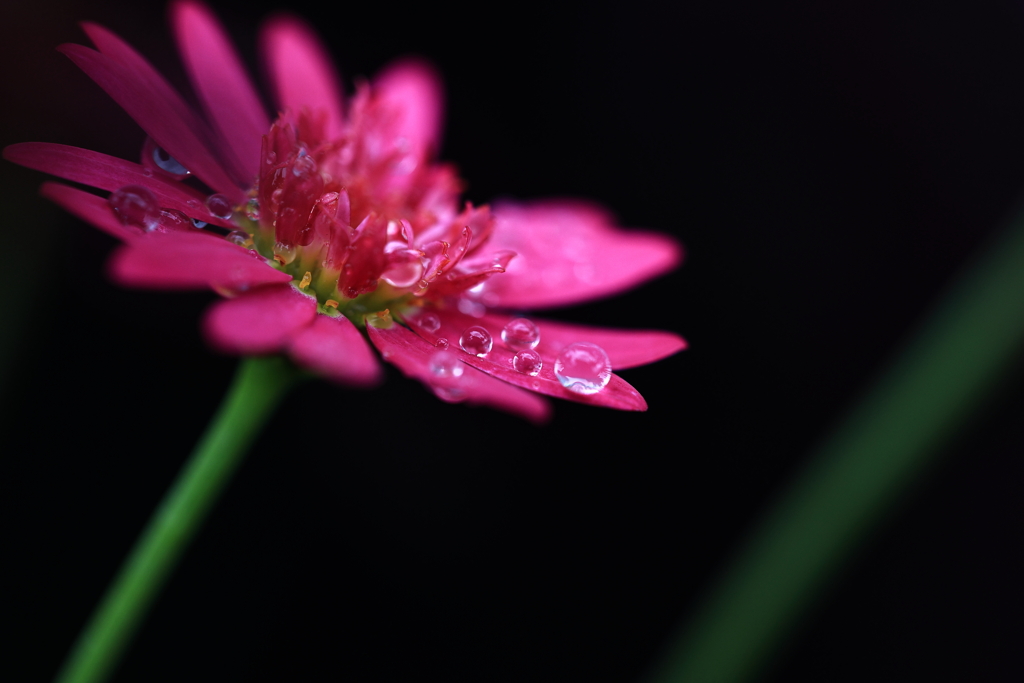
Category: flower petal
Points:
column 300, row 70
column 570, row 252
column 190, row 261
column 260, row 321
column 228, row 96
column 333, row 347
column 160, row 111
column 89, row 208
column 617, row 394
column 110, row 173
column 412, row 355
column 414, row 88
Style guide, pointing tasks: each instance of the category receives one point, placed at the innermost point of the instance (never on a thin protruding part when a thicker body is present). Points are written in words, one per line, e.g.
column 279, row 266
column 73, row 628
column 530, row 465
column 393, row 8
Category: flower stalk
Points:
column 258, row 386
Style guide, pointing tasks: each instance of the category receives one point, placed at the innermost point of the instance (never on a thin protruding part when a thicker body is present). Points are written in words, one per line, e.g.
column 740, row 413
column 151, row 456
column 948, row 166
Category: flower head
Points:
column 333, row 229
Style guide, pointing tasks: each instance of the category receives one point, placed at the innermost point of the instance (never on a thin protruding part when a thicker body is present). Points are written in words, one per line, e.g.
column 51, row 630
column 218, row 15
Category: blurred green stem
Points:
column 933, row 388
column 258, row 387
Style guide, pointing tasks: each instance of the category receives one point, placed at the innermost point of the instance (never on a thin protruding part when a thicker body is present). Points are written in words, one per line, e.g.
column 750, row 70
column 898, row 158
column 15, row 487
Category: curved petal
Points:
column 300, row 70
column 110, row 173
column 260, row 321
column 228, row 96
column 333, row 347
column 450, row 324
column 412, row 355
column 190, row 261
column 89, row 208
column 414, row 88
column 142, row 92
column 570, row 252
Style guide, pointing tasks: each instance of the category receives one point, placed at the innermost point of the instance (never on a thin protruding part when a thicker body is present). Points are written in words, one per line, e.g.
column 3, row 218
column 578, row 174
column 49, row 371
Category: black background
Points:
column 829, row 168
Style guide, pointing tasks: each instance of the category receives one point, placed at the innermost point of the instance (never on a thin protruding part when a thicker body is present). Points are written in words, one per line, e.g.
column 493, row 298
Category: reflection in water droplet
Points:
column 136, row 205
column 476, row 341
column 156, row 158
column 583, row 368
column 403, row 274
column 429, row 322
column 520, row 334
column 199, row 224
column 219, row 205
column 441, row 343
column 304, row 164
column 528, row 362
column 252, row 209
column 446, row 372
column 172, row 219
column 239, row 237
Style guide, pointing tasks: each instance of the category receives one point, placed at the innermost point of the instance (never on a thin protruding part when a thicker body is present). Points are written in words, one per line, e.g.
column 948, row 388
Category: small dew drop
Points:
column 528, row 362
column 520, row 334
column 219, row 205
column 172, row 219
column 583, row 368
column 284, row 253
column 252, row 209
column 441, row 343
column 239, row 237
column 136, row 205
column 403, row 274
column 429, row 322
column 476, row 341
column 304, row 164
column 446, row 372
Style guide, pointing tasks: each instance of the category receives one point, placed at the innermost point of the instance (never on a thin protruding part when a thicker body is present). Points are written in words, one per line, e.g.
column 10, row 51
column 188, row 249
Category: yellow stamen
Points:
column 306, row 279
column 330, row 303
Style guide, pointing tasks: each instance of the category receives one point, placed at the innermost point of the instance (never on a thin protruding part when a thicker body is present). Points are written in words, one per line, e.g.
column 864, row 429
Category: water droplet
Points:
column 429, row 322
column 472, row 308
column 476, row 341
column 285, row 253
column 403, row 274
column 173, row 219
column 148, row 172
column 528, row 362
column 304, row 164
column 239, row 237
column 583, row 368
column 136, row 205
column 193, row 203
column 199, row 224
column 441, row 343
column 219, row 205
column 446, row 372
column 520, row 334
column 156, row 158
column 252, row 209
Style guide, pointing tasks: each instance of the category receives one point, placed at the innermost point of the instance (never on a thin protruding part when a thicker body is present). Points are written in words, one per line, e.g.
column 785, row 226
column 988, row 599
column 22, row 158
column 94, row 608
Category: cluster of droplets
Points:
column 582, row 367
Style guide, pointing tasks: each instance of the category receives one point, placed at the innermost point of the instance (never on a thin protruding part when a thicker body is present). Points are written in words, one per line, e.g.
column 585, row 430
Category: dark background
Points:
column 829, row 170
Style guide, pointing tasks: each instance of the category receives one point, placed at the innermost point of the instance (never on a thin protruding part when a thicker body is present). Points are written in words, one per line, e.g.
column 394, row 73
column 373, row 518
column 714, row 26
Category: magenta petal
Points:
column 137, row 87
column 110, row 173
column 570, row 252
column 412, row 356
column 301, row 73
column 333, row 347
column 414, row 88
column 89, row 208
column 617, row 394
column 260, row 321
column 190, row 261
column 625, row 348
column 220, row 80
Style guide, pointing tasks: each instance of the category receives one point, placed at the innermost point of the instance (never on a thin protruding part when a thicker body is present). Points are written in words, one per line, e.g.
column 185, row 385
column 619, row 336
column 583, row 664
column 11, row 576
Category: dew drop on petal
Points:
column 441, row 343
column 136, row 205
column 252, row 209
column 219, row 205
column 156, row 158
column 520, row 334
column 403, row 274
column 471, row 308
column 429, row 322
column 583, row 368
column 239, row 237
column 446, row 372
column 476, row 341
column 527, row 362
column 172, row 219
column 199, row 224
column 304, row 164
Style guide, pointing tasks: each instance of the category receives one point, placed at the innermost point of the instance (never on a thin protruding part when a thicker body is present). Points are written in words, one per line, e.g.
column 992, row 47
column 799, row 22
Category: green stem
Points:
column 259, row 385
column 935, row 386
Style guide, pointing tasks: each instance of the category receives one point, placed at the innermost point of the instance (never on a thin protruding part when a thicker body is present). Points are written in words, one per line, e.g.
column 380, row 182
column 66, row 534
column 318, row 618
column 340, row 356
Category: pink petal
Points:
column 190, row 261
column 110, row 173
column 625, row 348
column 333, row 347
column 414, row 88
column 89, row 208
column 228, row 96
column 570, row 252
column 617, row 394
column 412, row 356
column 142, row 92
column 261, row 321
column 301, row 72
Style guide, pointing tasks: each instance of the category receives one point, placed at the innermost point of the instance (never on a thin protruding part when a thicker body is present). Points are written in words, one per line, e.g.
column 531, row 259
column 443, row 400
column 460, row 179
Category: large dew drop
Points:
column 219, row 205
column 520, row 334
column 156, row 158
column 476, row 341
column 583, row 368
column 136, row 205
column 446, row 372
column 528, row 362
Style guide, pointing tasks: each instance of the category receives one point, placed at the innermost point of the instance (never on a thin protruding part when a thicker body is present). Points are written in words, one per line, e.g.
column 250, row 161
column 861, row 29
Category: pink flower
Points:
column 334, row 228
